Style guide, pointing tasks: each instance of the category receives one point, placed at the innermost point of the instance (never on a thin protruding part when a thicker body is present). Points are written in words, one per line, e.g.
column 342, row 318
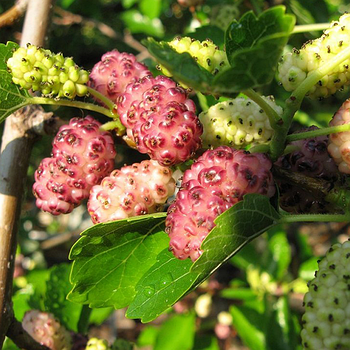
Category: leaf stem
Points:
column 84, row 319
column 109, row 103
column 318, row 132
column 83, row 105
column 315, row 218
column 274, row 118
column 293, row 103
column 305, row 28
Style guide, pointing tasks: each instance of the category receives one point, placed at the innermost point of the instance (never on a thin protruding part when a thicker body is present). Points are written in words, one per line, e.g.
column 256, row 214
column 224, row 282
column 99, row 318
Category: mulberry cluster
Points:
column 216, row 181
column 138, row 189
column 326, row 321
column 311, row 159
column 114, row 72
column 206, row 53
column 160, row 119
column 295, row 66
column 82, row 156
column 238, row 122
column 52, row 74
column 46, row 330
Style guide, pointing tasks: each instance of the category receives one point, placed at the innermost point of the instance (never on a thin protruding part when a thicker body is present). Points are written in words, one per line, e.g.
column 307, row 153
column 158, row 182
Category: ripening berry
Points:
column 160, row 119
column 215, row 182
column 114, row 72
column 52, row 74
column 339, row 143
column 46, row 330
column 82, row 156
column 138, row 189
column 326, row 321
column 237, row 122
column 295, row 66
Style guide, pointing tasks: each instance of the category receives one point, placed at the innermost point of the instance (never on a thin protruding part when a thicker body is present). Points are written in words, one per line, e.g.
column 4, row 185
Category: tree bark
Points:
column 17, row 143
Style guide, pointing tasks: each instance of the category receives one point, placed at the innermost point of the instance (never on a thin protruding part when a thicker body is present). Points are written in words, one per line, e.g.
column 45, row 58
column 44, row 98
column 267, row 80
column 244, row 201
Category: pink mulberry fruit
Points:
column 216, row 181
column 114, row 72
column 339, row 143
column 137, row 189
column 46, row 330
column 161, row 119
column 82, row 156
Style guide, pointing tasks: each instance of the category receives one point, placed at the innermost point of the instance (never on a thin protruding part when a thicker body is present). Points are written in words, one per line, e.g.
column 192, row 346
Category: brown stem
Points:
column 12, row 14
column 17, row 143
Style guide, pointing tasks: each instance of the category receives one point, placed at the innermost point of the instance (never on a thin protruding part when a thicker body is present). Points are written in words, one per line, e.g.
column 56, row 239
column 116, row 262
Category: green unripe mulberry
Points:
column 206, row 53
column 52, row 74
column 237, row 123
column 295, row 66
column 97, row 344
column 326, row 321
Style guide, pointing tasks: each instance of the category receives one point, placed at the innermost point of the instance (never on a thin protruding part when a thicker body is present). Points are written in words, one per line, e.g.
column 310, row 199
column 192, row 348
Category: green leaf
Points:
column 238, row 293
column 307, row 269
column 181, row 65
column 122, row 344
column 248, row 323
column 280, row 252
column 205, row 342
column 161, row 287
column 12, row 97
column 254, row 46
column 111, row 258
column 57, row 288
column 177, row 333
column 138, row 23
column 280, row 331
column 234, row 229
column 151, row 9
column 147, row 336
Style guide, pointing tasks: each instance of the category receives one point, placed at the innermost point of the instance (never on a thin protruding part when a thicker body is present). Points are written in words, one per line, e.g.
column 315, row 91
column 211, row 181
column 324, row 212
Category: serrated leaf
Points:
column 11, row 96
column 181, row 65
column 161, row 286
column 111, row 258
column 254, row 46
column 234, row 229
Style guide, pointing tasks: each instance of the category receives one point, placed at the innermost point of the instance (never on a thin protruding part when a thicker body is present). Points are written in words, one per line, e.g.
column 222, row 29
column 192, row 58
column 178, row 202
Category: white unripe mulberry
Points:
column 238, row 122
column 326, row 321
column 297, row 65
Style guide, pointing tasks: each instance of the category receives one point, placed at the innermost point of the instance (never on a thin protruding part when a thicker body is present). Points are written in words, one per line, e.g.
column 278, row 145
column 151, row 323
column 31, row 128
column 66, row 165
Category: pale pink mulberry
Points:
column 138, row 189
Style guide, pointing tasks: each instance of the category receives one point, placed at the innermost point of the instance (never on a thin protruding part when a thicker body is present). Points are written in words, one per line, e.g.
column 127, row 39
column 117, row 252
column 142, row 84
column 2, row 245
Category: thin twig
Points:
column 68, row 18
column 14, row 13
